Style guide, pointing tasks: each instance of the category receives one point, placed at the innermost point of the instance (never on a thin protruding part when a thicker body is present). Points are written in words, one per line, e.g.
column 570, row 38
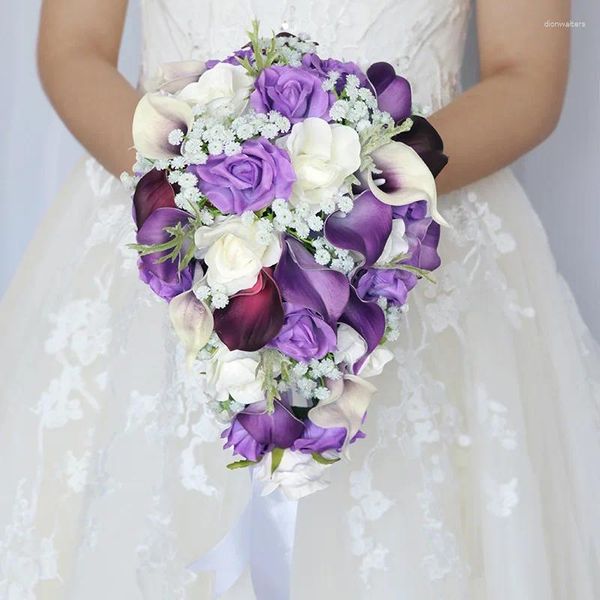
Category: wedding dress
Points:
column 479, row 477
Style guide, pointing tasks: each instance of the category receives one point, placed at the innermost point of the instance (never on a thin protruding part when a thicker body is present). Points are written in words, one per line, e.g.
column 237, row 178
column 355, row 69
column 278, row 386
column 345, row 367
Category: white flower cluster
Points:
column 329, row 255
column 291, row 49
column 393, row 318
column 215, row 295
column 308, row 378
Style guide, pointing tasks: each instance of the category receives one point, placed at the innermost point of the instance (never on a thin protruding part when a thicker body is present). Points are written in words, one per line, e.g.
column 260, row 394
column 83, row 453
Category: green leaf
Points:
column 322, row 460
column 277, row 456
column 240, row 464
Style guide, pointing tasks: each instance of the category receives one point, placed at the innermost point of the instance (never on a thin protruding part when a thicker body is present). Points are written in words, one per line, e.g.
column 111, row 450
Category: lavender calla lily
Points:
column 164, row 277
column 393, row 92
column 368, row 319
column 253, row 317
column 153, row 191
column 277, row 429
column 304, row 282
column 365, row 229
column 156, row 115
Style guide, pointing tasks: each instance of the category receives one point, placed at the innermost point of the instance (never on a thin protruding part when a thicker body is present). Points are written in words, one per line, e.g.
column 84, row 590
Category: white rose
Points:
column 297, row 475
column 396, row 244
column 235, row 252
column 323, row 155
column 235, row 373
column 223, row 90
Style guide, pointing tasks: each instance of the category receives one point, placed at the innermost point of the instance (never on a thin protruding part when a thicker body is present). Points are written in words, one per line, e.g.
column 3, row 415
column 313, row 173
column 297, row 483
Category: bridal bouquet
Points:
column 285, row 206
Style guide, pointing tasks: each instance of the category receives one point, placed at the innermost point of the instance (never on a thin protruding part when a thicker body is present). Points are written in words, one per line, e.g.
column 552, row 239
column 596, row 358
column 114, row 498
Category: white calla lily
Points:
column 405, row 178
column 172, row 77
column 376, row 362
column 193, row 323
column 156, row 116
column 346, row 407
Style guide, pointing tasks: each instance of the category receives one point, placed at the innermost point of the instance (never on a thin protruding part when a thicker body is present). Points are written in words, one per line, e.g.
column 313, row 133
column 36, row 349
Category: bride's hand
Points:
column 78, row 50
column 524, row 67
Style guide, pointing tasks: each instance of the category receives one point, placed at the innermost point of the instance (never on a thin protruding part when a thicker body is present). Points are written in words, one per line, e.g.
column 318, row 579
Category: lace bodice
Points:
column 424, row 39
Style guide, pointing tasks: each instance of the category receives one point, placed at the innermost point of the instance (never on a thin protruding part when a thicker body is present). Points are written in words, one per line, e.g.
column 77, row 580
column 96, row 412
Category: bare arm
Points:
column 78, row 50
column 524, row 68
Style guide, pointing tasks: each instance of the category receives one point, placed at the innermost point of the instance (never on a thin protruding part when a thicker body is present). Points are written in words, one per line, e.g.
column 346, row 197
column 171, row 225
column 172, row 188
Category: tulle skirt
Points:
column 478, row 478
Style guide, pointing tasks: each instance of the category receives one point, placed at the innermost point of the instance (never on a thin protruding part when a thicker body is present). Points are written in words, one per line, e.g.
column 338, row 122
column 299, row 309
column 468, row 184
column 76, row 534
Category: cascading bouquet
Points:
column 285, row 207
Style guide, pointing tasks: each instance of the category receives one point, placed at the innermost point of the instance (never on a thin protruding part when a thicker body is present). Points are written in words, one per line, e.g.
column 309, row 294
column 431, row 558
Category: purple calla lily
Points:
column 393, row 92
column 365, row 229
column 153, row 191
column 423, row 138
column 304, row 282
column 279, row 429
column 253, row 317
column 164, row 278
column 368, row 319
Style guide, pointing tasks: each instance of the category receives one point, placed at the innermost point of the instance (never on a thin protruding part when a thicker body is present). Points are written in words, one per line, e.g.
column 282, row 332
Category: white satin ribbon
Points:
column 263, row 539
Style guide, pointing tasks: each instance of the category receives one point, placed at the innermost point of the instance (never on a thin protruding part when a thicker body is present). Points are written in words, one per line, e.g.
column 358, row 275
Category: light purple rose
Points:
column 304, row 335
column 319, row 439
column 324, row 66
column 250, row 180
column 295, row 92
column 422, row 234
column 393, row 284
column 243, row 443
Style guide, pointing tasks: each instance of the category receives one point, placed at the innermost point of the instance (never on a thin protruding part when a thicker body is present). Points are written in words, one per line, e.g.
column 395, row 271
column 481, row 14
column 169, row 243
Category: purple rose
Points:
column 304, row 335
column 295, row 92
column 393, row 284
column 324, row 67
column 242, row 442
column 250, row 180
column 422, row 233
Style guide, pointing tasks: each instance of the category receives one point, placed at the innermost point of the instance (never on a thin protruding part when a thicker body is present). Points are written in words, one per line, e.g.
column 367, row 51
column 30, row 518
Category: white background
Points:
column 561, row 176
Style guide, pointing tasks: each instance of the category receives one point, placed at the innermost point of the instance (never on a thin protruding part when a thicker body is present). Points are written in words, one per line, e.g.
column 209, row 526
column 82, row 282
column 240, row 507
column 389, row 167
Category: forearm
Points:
column 491, row 125
column 96, row 103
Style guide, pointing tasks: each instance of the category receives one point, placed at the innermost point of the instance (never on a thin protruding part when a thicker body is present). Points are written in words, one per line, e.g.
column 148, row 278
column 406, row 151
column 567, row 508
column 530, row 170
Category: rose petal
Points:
column 279, row 429
column 253, row 317
column 365, row 229
column 406, row 178
column 304, row 282
column 155, row 117
column 152, row 191
column 192, row 321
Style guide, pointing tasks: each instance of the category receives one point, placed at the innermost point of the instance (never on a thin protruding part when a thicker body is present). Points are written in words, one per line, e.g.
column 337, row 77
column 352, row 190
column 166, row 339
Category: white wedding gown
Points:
column 480, row 475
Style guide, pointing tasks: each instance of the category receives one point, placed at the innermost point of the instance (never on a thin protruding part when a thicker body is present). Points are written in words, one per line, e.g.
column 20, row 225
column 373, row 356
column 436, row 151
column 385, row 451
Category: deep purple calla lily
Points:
column 253, row 317
column 243, row 443
column 152, row 191
column 426, row 142
column 279, row 429
column 304, row 282
column 164, row 278
column 365, row 229
column 368, row 319
column 393, row 92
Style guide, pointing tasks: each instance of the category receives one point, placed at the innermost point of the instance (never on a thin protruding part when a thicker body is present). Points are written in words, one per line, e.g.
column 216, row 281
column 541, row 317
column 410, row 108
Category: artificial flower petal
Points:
column 304, row 282
column 393, row 92
column 176, row 75
column 405, row 178
column 156, row 116
column 365, row 229
column 152, row 191
column 367, row 319
column 346, row 407
column 253, row 317
column 193, row 323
